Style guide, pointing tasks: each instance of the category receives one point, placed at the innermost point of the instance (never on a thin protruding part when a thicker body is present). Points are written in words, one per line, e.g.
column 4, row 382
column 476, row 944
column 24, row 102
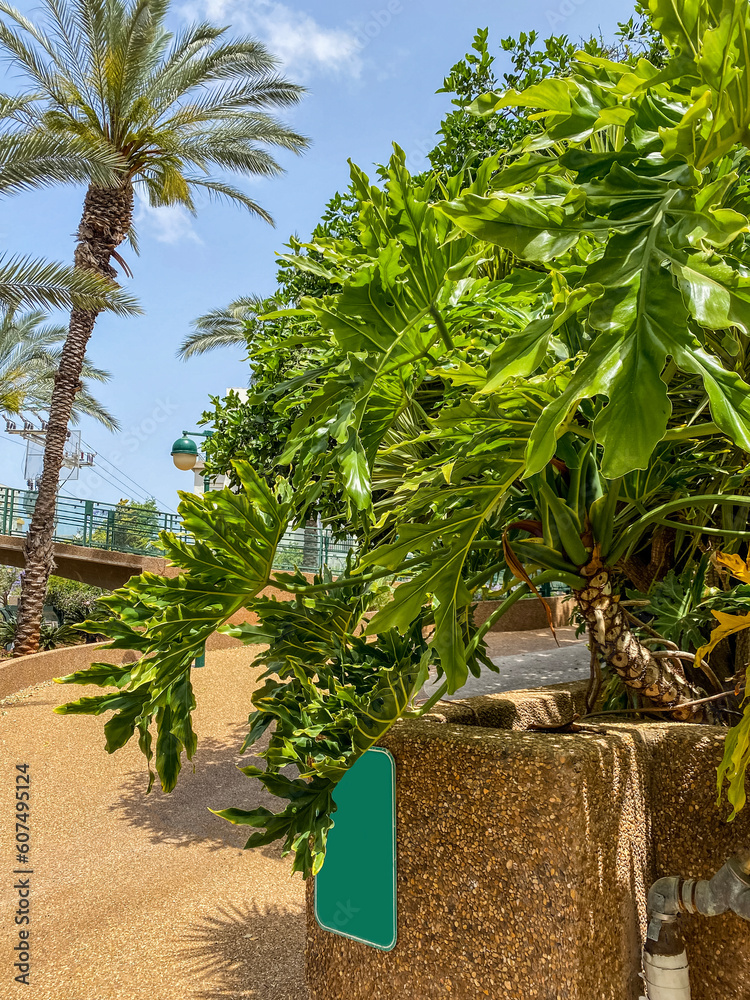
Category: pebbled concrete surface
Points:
column 139, row 897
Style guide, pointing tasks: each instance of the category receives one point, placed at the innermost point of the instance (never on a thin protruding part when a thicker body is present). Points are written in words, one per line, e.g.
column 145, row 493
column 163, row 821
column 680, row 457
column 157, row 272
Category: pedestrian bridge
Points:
column 96, row 543
column 104, row 544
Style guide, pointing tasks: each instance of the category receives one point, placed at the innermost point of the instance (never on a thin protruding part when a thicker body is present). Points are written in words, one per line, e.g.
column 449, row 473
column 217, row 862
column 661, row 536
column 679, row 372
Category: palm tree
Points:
column 172, row 109
column 30, row 350
column 225, row 326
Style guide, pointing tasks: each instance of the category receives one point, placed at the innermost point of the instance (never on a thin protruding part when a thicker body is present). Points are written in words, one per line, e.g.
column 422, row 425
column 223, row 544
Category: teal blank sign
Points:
column 355, row 890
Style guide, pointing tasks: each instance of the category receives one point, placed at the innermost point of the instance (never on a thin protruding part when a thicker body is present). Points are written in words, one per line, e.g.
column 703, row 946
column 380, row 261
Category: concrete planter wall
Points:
column 526, row 614
column 524, row 858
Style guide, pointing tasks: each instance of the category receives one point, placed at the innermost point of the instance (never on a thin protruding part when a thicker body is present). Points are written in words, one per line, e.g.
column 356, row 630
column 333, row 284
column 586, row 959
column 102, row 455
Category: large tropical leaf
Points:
column 167, row 620
column 329, row 695
column 647, row 239
column 709, row 41
column 389, row 316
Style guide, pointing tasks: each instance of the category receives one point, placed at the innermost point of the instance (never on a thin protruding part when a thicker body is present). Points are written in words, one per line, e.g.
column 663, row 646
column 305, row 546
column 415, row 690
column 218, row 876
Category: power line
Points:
column 119, row 484
column 102, row 458
column 13, row 441
column 108, row 476
column 146, row 495
column 105, row 475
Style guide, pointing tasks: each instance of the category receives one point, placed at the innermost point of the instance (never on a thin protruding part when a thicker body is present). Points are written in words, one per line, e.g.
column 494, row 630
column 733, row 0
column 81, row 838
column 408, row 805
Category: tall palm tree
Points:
column 30, row 350
column 172, row 108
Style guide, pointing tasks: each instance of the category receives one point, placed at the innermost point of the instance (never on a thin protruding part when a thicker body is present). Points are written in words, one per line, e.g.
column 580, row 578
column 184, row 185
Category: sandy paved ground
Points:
column 140, row 897
column 145, row 897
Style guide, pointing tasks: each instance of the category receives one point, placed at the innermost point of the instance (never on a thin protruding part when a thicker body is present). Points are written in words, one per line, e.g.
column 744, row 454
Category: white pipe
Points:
column 665, row 964
column 667, row 976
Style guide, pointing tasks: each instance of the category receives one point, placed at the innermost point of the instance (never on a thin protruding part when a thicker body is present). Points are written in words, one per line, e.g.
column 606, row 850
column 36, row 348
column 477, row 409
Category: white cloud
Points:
column 166, row 223
column 294, row 36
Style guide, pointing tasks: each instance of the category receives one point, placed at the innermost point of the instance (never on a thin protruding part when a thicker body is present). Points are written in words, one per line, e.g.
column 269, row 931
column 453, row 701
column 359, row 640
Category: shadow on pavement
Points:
column 252, row 952
column 182, row 817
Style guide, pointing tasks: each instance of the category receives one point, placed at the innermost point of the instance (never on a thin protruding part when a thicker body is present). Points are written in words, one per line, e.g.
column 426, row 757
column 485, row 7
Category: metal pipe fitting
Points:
column 665, row 964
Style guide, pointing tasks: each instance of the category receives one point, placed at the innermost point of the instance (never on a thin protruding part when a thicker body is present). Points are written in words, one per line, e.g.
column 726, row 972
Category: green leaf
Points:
column 169, row 619
column 534, row 225
column 168, row 749
column 709, row 41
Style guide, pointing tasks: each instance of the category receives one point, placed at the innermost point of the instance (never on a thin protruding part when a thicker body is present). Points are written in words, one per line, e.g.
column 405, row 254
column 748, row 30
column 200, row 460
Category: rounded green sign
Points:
column 355, row 890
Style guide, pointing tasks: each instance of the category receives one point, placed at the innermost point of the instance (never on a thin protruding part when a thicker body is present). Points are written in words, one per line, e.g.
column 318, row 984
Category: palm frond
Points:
column 34, row 159
column 87, row 405
column 30, row 281
column 30, row 352
column 121, row 96
column 224, row 327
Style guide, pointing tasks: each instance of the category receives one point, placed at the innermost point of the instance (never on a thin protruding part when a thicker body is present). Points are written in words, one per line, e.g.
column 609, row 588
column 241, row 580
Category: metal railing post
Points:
column 88, row 521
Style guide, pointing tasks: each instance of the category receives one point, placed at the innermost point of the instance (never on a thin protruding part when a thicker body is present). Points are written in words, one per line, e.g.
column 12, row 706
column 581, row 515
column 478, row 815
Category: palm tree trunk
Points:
column 107, row 214
column 658, row 678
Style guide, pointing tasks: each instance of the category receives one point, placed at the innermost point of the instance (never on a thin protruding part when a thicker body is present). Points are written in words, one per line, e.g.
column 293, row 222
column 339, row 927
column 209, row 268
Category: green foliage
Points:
column 133, row 526
column 72, row 601
column 466, row 136
column 9, row 581
column 30, row 161
column 167, row 620
column 329, row 695
column 284, row 349
column 30, row 350
column 51, row 635
column 649, row 243
column 530, row 370
column 280, row 349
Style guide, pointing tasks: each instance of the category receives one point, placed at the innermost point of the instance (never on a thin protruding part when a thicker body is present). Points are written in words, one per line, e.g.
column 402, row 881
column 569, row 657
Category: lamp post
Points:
column 185, row 454
column 186, row 457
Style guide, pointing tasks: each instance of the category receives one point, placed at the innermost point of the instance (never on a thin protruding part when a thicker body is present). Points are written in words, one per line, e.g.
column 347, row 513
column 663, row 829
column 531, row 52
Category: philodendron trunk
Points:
column 655, row 677
column 105, row 222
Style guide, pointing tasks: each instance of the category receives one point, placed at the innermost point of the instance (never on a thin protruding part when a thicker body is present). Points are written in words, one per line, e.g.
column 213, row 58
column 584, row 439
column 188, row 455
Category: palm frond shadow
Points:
column 254, row 952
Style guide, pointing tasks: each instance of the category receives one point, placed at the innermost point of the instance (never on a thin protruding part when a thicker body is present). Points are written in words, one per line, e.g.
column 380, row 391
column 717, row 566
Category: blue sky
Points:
column 372, row 69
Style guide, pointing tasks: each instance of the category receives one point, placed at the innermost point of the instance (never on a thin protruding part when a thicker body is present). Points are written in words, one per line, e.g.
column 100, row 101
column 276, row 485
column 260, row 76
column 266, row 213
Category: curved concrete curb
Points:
column 28, row 670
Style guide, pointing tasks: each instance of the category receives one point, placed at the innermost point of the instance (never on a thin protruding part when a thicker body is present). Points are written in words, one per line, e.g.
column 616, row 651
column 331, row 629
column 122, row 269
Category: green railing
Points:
column 115, row 527
column 311, row 549
column 120, row 528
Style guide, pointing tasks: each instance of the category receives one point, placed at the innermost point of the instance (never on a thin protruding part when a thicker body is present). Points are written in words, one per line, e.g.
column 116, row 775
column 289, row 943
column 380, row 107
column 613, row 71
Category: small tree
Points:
column 9, row 580
column 71, row 601
column 133, row 527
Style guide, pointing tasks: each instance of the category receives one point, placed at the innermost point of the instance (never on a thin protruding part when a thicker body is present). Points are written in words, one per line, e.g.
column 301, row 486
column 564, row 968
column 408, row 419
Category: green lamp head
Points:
column 185, row 453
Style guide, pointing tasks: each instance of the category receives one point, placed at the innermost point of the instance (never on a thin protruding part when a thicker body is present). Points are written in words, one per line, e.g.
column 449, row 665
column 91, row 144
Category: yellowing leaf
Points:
column 728, row 625
column 734, row 764
column 735, row 564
